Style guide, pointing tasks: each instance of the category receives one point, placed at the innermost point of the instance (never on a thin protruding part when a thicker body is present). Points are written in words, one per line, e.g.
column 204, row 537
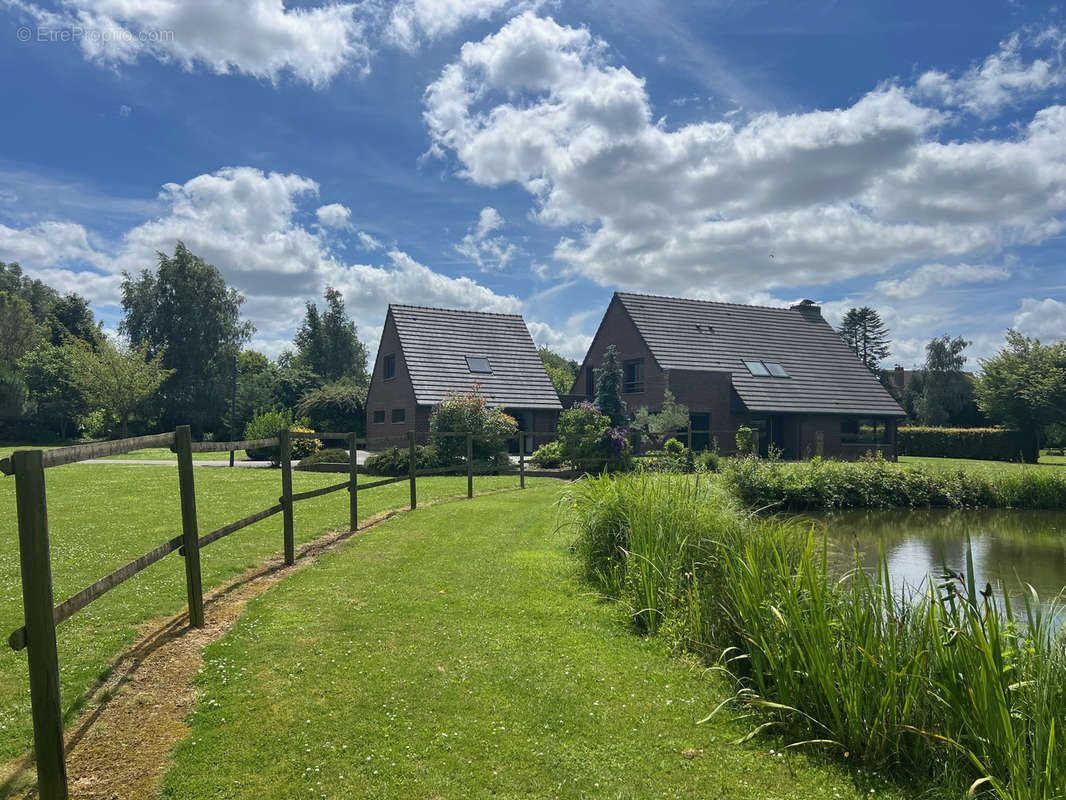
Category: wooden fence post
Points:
column 190, row 534
column 469, row 465
column 353, row 483
column 412, row 467
column 38, row 603
column 522, row 460
column 285, row 443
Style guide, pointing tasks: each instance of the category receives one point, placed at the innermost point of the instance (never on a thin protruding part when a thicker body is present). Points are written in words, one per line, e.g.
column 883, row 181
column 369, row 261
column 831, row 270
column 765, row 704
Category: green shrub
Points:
column 745, row 439
column 990, row 444
column 336, row 407
column 710, row 460
column 470, row 413
column 588, row 441
column 673, row 447
column 396, row 460
column 547, row 456
column 330, row 455
column 267, row 425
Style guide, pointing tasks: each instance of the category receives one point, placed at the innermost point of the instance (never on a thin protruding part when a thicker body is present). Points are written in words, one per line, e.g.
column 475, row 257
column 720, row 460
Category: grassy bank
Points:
column 102, row 516
column 454, row 653
column 829, row 485
column 940, row 689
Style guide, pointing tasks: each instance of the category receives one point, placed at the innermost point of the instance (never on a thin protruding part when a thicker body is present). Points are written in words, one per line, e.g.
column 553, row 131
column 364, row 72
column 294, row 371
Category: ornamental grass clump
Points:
column 948, row 688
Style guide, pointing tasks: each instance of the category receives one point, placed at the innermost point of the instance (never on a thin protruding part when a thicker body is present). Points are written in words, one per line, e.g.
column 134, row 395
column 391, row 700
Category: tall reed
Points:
column 945, row 685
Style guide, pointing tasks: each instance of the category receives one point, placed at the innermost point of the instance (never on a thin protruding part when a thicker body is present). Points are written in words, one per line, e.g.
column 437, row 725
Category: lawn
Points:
column 454, row 652
column 152, row 453
column 103, row 516
column 1046, row 462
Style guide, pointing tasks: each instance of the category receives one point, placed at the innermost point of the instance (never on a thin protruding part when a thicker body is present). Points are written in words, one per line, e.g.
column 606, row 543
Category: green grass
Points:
column 454, row 652
column 151, row 453
column 1046, row 462
column 103, row 516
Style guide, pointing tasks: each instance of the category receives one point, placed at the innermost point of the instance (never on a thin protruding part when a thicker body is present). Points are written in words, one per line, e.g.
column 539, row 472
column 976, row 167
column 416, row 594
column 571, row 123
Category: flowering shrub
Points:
column 470, row 413
column 589, row 442
column 267, row 425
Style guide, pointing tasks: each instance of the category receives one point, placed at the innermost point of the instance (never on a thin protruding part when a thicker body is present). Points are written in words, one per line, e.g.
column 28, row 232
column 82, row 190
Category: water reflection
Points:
column 1017, row 547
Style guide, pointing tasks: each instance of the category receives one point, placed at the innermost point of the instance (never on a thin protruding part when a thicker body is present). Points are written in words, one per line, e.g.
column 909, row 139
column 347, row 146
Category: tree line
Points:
column 179, row 354
column 1023, row 386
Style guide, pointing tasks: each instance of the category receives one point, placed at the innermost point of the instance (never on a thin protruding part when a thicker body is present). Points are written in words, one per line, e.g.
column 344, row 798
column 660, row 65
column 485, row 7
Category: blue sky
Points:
column 533, row 157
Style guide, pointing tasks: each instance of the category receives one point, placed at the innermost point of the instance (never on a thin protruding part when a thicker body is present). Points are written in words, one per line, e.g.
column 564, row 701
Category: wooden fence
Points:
column 38, row 634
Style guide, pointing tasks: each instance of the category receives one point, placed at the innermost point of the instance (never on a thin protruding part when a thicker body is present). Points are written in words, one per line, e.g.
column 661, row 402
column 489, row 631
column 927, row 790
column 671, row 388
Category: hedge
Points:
column 989, row 444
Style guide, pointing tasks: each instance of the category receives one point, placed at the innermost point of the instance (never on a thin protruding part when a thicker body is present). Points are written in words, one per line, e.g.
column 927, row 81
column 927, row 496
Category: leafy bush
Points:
column 396, row 460
column 336, row 407
column 942, row 687
column 588, row 441
column 875, row 483
column 470, row 413
column 267, row 425
column 674, row 447
column 745, row 439
column 330, row 455
column 992, row 444
column 547, row 456
column 710, row 460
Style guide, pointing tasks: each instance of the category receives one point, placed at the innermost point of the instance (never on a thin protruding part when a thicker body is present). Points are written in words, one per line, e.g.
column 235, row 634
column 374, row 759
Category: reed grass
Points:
column 947, row 688
column 875, row 483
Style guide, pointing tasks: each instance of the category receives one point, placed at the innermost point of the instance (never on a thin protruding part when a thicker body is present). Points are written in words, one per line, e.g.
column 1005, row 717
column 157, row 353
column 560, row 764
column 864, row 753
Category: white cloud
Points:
column 124, row 110
column 571, row 341
column 931, row 276
column 730, row 205
column 1003, row 78
column 245, row 222
column 483, row 249
column 1042, row 319
column 333, row 215
column 369, row 242
column 261, row 38
column 413, row 21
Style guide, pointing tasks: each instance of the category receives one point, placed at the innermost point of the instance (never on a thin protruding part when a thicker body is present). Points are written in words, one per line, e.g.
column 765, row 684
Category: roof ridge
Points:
column 457, row 311
column 696, row 300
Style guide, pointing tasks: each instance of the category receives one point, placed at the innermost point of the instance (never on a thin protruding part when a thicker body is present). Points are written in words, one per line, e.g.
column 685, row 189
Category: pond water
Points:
column 1017, row 547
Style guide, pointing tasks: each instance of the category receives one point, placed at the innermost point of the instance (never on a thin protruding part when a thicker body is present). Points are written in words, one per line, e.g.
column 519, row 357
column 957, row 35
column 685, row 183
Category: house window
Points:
column 766, row 369
column 399, row 415
column 478, row 364
column 590, row 384
column 389, row 367
column 633, row 376
column 379, row 417
column 864, row 430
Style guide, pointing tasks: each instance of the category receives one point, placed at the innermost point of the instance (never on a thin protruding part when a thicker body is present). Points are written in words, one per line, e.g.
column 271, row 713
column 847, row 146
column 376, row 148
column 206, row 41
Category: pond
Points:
column 1017, row 547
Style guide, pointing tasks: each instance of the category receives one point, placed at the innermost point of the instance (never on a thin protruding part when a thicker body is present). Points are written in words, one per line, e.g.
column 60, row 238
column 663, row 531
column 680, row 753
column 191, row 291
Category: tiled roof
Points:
column 825, row 376
column 437, row 341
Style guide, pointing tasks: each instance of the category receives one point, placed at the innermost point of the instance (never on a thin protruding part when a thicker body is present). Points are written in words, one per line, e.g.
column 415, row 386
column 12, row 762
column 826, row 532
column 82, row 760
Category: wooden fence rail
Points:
column 38, row 634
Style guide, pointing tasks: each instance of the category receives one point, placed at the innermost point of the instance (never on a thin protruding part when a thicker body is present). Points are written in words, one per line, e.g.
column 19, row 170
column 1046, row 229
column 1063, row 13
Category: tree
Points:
column 657, row 427
column 328, row 344
column 115, row 376
column 609, row 388
column 71, row 315
column 335, row 407
column 49, row 373
column 945, row 390
column 186, row 311
column 863, row 332
column 40, row 296
column 1024, row 385
column 19, row 331
column 561, row 371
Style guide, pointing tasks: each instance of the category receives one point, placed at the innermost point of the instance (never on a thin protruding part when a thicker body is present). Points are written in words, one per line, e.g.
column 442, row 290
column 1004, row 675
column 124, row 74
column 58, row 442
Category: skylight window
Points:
column 776, row 369
column 766, row 369
column 478, row 364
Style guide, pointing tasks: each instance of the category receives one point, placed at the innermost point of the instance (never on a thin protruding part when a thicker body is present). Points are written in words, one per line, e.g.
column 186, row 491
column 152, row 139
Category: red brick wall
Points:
column 386, row 395
column 616, row 328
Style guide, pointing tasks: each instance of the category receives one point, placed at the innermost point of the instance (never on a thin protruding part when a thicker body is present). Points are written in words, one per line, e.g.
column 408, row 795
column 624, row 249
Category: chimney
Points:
column 809, row 309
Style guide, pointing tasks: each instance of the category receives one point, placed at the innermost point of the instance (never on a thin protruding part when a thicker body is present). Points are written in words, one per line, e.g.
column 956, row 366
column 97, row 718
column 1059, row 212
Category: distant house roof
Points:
column 824, row 375
column 446, row 350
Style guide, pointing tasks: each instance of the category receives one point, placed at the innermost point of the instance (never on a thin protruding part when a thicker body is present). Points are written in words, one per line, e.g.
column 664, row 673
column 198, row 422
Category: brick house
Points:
column 425, row 353
column 782, row 371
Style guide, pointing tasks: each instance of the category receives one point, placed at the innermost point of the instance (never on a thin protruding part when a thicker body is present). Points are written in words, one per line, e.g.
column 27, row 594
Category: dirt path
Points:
column 120, row 745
